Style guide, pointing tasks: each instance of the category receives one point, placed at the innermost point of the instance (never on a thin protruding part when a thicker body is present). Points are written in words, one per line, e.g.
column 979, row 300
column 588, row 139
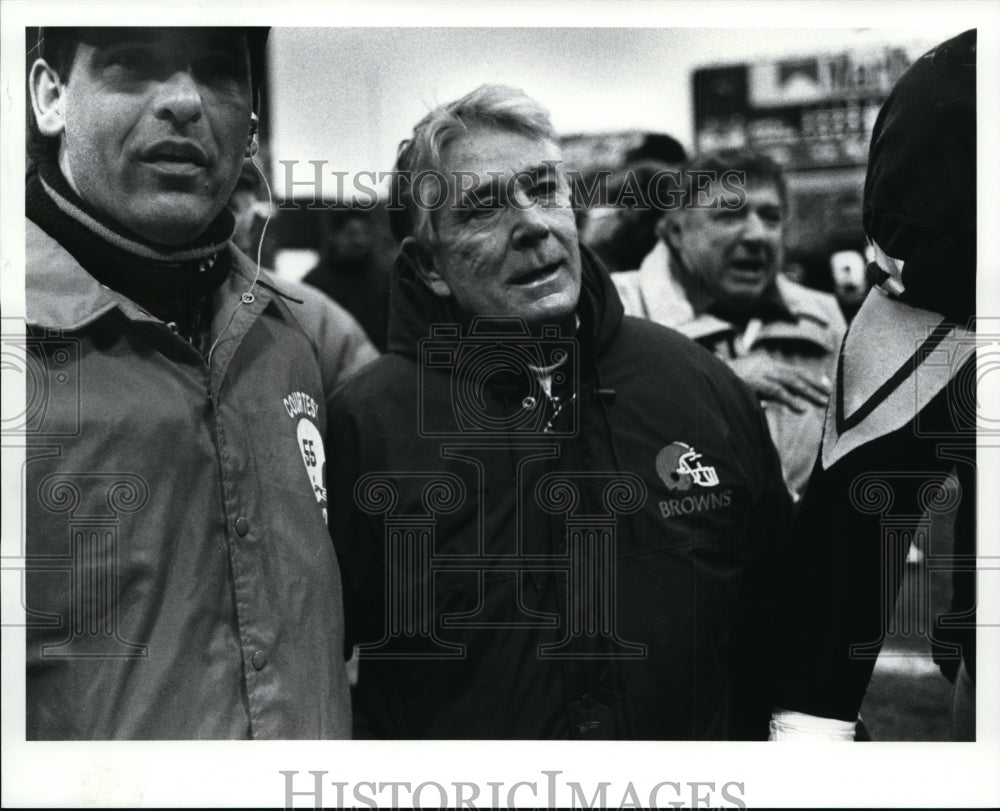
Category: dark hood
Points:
column 413, row 307
column 920, row 189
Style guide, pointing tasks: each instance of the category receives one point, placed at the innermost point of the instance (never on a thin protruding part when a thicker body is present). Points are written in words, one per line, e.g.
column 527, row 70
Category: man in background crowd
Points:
column 621, row 228
column 180, row 580
column 714, row 276
column 624, row 231
column 351, row 271
column 554, row 521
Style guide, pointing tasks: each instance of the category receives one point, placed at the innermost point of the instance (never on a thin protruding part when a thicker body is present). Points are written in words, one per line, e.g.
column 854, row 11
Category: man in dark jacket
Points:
column 554, row 521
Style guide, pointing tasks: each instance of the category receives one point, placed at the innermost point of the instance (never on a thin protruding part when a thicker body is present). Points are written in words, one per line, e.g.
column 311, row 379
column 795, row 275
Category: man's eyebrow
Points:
column 540, row 171
column 489, row 181
column 486, row 182
column 545, row 168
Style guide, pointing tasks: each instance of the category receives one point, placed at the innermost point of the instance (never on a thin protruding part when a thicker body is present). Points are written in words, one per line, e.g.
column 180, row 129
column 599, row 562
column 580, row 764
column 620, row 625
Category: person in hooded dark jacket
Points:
column 901, row 421
column 554, row 521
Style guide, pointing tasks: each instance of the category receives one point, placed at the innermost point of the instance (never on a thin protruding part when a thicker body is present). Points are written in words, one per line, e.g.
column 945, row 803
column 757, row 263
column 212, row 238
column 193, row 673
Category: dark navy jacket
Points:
column 610, row 577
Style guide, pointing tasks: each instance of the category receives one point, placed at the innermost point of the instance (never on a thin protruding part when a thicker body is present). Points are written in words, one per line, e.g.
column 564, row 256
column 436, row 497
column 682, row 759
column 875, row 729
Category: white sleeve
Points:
column 797, row 726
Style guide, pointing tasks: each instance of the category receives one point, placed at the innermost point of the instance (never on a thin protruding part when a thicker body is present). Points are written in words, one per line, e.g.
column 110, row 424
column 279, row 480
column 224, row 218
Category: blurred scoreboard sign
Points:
column 807, row 113
column 814, row 115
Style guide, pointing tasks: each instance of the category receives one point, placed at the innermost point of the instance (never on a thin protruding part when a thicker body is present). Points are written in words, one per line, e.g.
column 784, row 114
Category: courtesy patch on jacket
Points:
column 304, row 408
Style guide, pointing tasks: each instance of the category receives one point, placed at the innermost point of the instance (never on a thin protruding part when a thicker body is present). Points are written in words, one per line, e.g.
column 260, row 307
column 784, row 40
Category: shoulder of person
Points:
column 664, row 370
column 387, row 383
column 308, row 299
column 670, row 352
column 815, row 305
column 317, row 308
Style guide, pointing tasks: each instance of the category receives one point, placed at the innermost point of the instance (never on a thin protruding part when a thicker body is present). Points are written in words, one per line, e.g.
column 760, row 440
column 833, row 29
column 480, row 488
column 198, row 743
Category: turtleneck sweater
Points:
column 172, row 283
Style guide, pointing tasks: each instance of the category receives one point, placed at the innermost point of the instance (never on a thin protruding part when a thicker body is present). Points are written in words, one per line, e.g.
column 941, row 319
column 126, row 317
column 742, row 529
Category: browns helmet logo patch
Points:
column 679, row 466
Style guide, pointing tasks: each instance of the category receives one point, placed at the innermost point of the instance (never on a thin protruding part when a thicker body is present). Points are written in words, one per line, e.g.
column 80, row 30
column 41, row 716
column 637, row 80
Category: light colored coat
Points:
column 810, row 342
column 185, row 502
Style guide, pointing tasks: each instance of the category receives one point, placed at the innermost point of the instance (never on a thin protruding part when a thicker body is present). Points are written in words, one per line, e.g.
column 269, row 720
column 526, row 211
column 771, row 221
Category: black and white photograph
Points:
column 498, row 405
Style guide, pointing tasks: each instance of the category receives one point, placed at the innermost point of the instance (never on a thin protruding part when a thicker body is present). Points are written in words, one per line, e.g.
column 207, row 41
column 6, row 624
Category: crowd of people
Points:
column 554, row 476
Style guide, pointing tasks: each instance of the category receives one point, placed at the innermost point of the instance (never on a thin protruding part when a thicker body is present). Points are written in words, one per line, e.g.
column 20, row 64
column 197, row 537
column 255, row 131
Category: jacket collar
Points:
column 60, row 294
column 812, row 320
column 895, row 360
column 663, row 296
column 666, row 302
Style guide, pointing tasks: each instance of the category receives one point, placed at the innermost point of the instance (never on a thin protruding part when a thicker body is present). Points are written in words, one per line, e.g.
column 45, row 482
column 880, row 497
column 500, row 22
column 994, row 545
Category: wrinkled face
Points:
column 156, row 126
column 735, row 254
column 507, row 240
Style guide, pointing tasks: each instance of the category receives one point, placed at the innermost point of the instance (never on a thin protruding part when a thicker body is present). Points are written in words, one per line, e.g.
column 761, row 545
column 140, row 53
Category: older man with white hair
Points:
column 554, row 521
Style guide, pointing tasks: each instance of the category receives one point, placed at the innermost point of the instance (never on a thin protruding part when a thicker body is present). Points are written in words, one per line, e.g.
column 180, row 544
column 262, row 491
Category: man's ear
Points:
column 426, row 269
column 670, row 229
column 48, row 99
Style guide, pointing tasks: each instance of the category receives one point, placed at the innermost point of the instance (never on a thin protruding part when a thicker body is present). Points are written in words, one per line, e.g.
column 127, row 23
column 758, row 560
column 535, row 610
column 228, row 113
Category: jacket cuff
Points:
column 798, row 726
